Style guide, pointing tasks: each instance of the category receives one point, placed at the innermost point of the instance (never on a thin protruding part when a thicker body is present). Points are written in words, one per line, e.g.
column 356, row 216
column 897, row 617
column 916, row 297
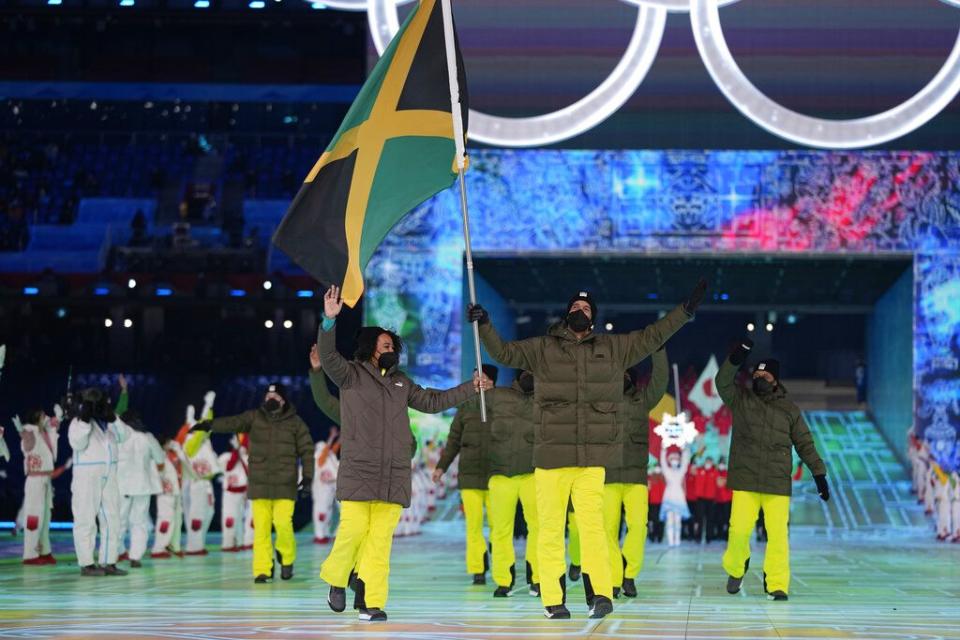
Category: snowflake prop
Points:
column 676, row 430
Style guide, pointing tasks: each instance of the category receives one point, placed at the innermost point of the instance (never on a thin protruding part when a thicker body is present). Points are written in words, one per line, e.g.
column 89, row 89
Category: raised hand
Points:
column 740, row 350
column 332, row 304
column 696, row 296
column 314, row 358
column 122, row 381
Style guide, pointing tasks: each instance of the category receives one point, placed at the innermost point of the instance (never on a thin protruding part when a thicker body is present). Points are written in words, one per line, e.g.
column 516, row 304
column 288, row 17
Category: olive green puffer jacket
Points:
column 764, row 431
column 511, row 432
column 469, row 438
column 578, row 386
column 277, row 444
column 637, row 404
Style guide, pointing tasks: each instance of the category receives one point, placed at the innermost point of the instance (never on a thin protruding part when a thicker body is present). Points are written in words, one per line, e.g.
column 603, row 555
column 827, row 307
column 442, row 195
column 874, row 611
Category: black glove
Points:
column 86, row 411
column 303, row 491
column 696, row 297
column 823, row 489
column 201, row 426
column 739, row 351
column 476, row 313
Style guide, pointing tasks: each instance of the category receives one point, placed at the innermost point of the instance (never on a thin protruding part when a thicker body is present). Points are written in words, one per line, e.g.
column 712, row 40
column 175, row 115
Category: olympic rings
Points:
column 807, row 130
column 581, row 116
column 625, row 79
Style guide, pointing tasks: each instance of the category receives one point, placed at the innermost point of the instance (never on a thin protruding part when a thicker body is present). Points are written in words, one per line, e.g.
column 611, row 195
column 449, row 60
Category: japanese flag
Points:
column 704, row 393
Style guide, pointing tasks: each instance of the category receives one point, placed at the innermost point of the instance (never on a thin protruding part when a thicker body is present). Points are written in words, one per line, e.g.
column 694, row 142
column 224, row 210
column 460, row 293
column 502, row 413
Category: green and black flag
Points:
column 394, row 149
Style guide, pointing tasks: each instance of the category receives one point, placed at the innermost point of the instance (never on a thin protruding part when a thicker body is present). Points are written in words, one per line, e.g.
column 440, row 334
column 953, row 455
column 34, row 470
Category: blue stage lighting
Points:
column 792, row 319
column 237, row 293
column 163, row 292
column 101, row 291
column 54, row 2
column 652, row 296
column 304, row 293
column 724, row 296
column 30, row 291
column 318, row 5
column 257, row 4
column 201, row 4
column 126, row 3
column 61, row 313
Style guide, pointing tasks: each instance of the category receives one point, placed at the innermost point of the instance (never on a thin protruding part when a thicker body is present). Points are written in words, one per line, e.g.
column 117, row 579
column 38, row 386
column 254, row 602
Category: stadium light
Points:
column 237, row 293
column 31, row 291
column 131, row 284
column 304, row 293
column 127, row 323
column 101, row 291
column 163, row 292
column 268, row 324
column 257, row 4
column 288, row 324
column 267, row 285
column 126, row 3
column 61, row 313
column 769, row 326
column 201, row 4
column 750, row 327
column 108, row 323
column 609, row 326
column 54, row 3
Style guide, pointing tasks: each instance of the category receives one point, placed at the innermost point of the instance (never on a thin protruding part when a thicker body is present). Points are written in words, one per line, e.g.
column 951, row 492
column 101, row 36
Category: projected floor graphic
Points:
column 867, row 567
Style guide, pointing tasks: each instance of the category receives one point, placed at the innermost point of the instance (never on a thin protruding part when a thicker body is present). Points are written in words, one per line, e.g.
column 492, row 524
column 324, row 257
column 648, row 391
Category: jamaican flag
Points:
column 394, row 150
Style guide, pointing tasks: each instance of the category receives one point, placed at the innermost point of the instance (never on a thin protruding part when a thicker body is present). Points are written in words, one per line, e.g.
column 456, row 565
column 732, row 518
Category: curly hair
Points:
column 367, row 342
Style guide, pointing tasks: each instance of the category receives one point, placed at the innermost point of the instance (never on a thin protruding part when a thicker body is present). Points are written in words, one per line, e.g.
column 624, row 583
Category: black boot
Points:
column 359, row 595
column 502, row 592
column 91, row 570
column 262, row 579
column 733, row 584
column 529, row 574
column 535, row 589
column 479, row 579
column 779, row 596
column 286, row 570
column 588, row 590
column 601, row 608
column 337, row 599
column 629, row 588
column 112, row 570
column 373, row 615
column 556, row 612
column 353, row 581
column 616, row 593
column 574, row 573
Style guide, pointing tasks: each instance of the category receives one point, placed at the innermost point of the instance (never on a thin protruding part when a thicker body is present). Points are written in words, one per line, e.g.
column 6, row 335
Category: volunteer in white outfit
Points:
column 139, row 480
column 95, row 436
column 674, row 508
column 167, row 536
column 38, row 441
column 233, row 499
column 325, row 486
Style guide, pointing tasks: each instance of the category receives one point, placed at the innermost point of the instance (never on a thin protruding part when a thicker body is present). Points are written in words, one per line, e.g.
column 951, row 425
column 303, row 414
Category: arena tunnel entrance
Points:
column 822, row 316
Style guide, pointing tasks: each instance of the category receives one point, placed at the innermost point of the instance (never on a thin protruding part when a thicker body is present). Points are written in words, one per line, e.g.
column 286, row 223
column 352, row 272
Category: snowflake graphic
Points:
column 676, row 430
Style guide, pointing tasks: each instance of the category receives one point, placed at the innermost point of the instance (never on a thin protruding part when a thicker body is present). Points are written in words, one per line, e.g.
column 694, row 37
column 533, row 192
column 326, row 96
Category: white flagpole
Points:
column 676, row 385
column 458, row 139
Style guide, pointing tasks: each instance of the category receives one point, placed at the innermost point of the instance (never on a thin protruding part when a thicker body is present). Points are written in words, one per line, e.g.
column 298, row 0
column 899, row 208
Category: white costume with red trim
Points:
column 167, row 534
column 39, row 446
column 95, row 491
column 233, row 503
column 203, row 467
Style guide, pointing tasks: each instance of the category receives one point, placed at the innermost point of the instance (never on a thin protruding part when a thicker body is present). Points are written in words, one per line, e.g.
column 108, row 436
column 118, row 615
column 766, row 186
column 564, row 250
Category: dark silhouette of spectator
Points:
column 138, row 226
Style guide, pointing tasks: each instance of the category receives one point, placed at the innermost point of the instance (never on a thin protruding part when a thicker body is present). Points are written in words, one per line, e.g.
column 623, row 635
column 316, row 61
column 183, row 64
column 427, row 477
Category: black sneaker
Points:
column 91, row 570
column 373, row 615
column 556, row 612
column 535, row 589
column 479, row 579
column 263, row 579
column 779, row 596
column 135, row 564
column 574, row 572
column 359, row 595
column 629, row 588
column 113, row 570
column 502, row 592
column 616, row 593
column 602, row 607
column 286, row 570
column 337, row 599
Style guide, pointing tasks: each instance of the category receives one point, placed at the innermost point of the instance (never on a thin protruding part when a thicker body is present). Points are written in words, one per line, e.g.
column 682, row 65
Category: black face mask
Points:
column 272, row 405
column 388, row 360
column 526, row 383
column 762, row 386
column 578, row 321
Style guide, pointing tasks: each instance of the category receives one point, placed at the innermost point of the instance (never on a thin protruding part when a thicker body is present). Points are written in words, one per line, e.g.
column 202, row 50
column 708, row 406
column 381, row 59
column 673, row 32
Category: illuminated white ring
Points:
column 683, row 6
column 806, row 130
column 952, row 3
column 582, row 115
column 351, row 5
